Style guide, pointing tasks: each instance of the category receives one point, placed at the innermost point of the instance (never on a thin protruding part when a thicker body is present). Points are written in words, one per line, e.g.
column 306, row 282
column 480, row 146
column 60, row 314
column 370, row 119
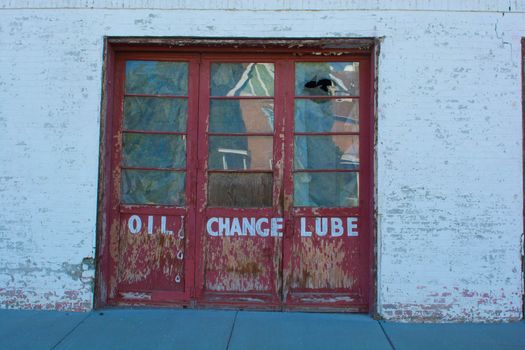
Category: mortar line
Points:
column 386, row 335
column 231, row 331
column 71, row 331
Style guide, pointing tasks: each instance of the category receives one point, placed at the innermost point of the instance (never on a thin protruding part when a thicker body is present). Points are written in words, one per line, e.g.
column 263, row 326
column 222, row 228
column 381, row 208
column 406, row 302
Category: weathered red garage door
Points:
column 240, row 180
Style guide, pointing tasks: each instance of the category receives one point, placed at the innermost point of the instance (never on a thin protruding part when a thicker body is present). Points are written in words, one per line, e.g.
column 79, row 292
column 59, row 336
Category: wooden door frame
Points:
column 202, row 296
column 523, row 167
column 114, row 45
column 107, row 251
column 365, row 210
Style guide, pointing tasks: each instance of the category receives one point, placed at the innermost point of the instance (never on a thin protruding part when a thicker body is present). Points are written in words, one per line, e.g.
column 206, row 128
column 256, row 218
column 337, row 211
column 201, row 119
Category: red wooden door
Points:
column 327, row 184
column 280, row 149
column 240, row 180
column 151, row 212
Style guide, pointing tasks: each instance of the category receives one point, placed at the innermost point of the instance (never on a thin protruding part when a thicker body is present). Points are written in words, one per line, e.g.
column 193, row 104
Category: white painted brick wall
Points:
column 449, row 178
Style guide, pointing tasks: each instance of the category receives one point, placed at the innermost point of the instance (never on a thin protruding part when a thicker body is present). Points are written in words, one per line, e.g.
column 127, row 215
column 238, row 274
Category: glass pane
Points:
column 156, row 78
column 248, row 190
column 319, row 115
column 154, row 151
column 155, row 114
column 242, row 79
column 326, row 190
column 240, row 152
column 327, row 78
column 238, row 116
column 153, row 187
column 326, row 152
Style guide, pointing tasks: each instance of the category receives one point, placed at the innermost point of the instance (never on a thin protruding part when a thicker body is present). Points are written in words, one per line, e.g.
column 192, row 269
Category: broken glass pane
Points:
column 240, row 152
column 326, row 152
column 239, row 116
column 157, row 78
column 240, row 190
column 153, row 187
column 326, row 189
column 155, row 114
column 242, row 79
column 327, row 79
column 320, row 115
column 153, row 151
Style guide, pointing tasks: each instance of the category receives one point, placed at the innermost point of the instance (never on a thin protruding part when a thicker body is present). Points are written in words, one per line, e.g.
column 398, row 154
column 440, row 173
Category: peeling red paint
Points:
column 282, row 270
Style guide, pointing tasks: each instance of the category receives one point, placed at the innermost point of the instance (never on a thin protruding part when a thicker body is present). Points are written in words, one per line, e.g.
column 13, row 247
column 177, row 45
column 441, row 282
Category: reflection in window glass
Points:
column 153, row 187
column 240, row 116
column 327, row 79
column 240, row 152
column 241, row 190
column 242, row 79
column 326, row 152
column 156, row 78
column 154, row 151
column 321, row 115
column 337, row 189
column 155, row 114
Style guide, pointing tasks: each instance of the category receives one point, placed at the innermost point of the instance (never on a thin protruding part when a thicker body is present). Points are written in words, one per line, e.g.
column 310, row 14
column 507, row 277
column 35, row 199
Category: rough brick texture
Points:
column 448, row 153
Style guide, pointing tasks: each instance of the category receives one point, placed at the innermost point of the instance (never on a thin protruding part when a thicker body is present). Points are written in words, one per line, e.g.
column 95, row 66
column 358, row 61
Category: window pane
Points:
column 155, row 114
column 248, row 190
column 326, row 190
column 326, row 152
column 154, row 151
column 242, row 79
column 238, row 116
column 319, row 115
column 156, row 78
column 240, row 152
column 327, row 78
column 153, row 187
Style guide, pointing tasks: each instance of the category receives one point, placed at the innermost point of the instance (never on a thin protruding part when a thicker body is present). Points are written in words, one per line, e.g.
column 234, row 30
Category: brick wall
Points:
column 449, row 141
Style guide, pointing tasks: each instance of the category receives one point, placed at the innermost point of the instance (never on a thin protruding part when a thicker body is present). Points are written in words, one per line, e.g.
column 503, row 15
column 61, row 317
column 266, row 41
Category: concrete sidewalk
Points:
column 215, row 329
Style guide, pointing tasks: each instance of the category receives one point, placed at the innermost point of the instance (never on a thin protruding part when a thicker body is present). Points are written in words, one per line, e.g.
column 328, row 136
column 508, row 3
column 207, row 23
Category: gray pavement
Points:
column 217, row 329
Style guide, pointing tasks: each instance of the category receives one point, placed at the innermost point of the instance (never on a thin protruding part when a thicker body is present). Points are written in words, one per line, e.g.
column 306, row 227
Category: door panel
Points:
column 240, row 238
column 242, row 258
column 325, row 262
column 152, row 205
column 326, row 254
column 151, row 253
